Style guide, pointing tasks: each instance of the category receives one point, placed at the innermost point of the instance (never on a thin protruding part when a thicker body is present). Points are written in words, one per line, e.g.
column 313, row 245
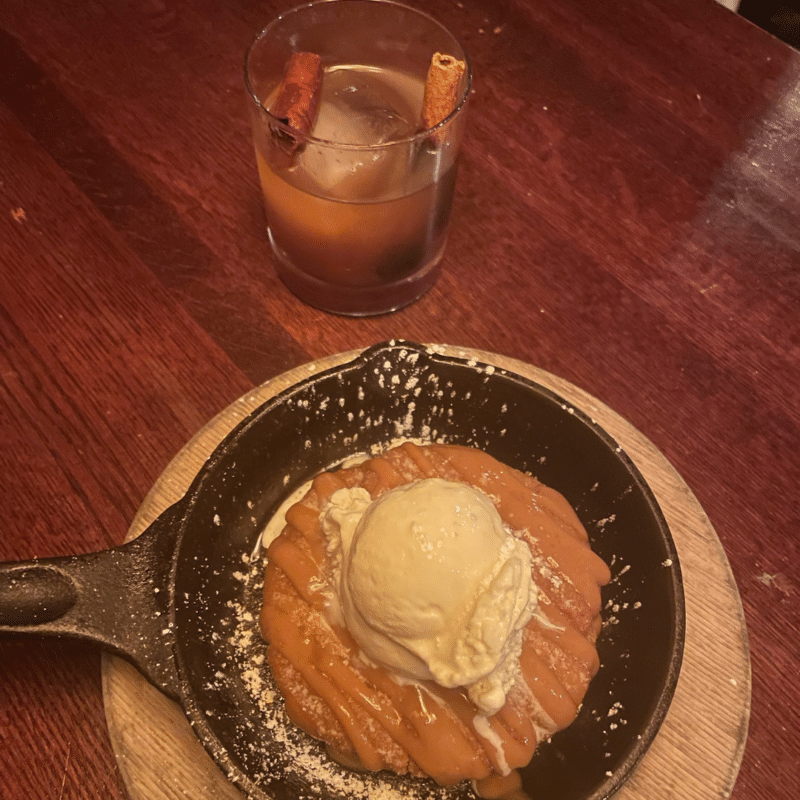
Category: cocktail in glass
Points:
column 358, row 206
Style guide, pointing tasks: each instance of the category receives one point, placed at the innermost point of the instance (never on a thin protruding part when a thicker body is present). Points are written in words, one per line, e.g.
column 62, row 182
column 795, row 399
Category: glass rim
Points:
column 311, row 139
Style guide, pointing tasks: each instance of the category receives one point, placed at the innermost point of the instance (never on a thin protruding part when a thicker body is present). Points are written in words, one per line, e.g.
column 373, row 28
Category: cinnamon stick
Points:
column 441, row 90
column 297, row 102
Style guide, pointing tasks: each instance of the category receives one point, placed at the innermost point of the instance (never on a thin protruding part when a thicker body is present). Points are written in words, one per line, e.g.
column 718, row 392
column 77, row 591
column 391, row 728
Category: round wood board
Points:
column 696, row 754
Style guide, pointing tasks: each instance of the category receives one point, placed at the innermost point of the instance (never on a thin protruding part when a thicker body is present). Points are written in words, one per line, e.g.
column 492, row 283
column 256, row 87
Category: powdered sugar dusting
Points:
column 292, row 754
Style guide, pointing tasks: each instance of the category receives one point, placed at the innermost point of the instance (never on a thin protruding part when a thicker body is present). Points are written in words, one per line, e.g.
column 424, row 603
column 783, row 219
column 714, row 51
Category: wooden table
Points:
column 627, row 218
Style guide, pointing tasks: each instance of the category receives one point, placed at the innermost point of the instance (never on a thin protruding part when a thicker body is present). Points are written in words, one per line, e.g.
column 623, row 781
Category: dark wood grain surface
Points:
column 627, row 217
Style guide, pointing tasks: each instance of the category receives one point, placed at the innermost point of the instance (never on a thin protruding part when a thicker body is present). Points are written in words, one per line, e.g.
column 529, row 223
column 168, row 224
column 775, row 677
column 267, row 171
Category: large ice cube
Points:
column 361, row 106
column 361, row 109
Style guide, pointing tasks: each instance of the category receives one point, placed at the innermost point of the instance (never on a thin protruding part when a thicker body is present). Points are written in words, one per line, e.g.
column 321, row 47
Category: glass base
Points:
column 356, row 301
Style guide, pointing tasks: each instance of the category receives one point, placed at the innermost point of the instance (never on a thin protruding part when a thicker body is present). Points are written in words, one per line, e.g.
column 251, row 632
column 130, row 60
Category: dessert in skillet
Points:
column 432, row 611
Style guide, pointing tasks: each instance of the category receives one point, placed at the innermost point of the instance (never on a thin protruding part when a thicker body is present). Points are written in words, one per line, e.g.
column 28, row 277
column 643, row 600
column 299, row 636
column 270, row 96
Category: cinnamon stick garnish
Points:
column 441, row 90
column 297, row 102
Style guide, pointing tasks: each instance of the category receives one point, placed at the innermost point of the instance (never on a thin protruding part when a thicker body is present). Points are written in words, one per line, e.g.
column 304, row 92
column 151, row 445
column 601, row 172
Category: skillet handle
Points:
column 119, row 598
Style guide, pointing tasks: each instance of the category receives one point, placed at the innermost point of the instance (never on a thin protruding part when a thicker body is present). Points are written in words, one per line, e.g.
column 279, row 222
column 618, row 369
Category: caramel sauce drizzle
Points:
column 425, row 729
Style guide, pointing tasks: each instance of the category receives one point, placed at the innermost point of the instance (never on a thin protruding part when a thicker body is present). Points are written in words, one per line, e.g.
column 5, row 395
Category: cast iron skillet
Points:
column 165, row 599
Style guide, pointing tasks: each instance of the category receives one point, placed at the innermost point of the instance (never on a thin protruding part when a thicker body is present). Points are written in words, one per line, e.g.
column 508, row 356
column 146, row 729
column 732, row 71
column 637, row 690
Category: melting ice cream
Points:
column 432, row 585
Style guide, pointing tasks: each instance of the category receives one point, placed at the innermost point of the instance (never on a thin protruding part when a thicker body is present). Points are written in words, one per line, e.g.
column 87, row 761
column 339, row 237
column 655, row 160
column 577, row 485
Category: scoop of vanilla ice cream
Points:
column 432, row 585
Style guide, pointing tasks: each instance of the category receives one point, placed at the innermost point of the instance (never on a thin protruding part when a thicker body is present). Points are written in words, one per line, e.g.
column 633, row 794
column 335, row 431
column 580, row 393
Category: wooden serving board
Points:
column 698, row 751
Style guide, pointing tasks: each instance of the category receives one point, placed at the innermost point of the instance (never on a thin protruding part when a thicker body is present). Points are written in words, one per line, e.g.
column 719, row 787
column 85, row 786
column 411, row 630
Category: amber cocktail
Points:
column 357, row 149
